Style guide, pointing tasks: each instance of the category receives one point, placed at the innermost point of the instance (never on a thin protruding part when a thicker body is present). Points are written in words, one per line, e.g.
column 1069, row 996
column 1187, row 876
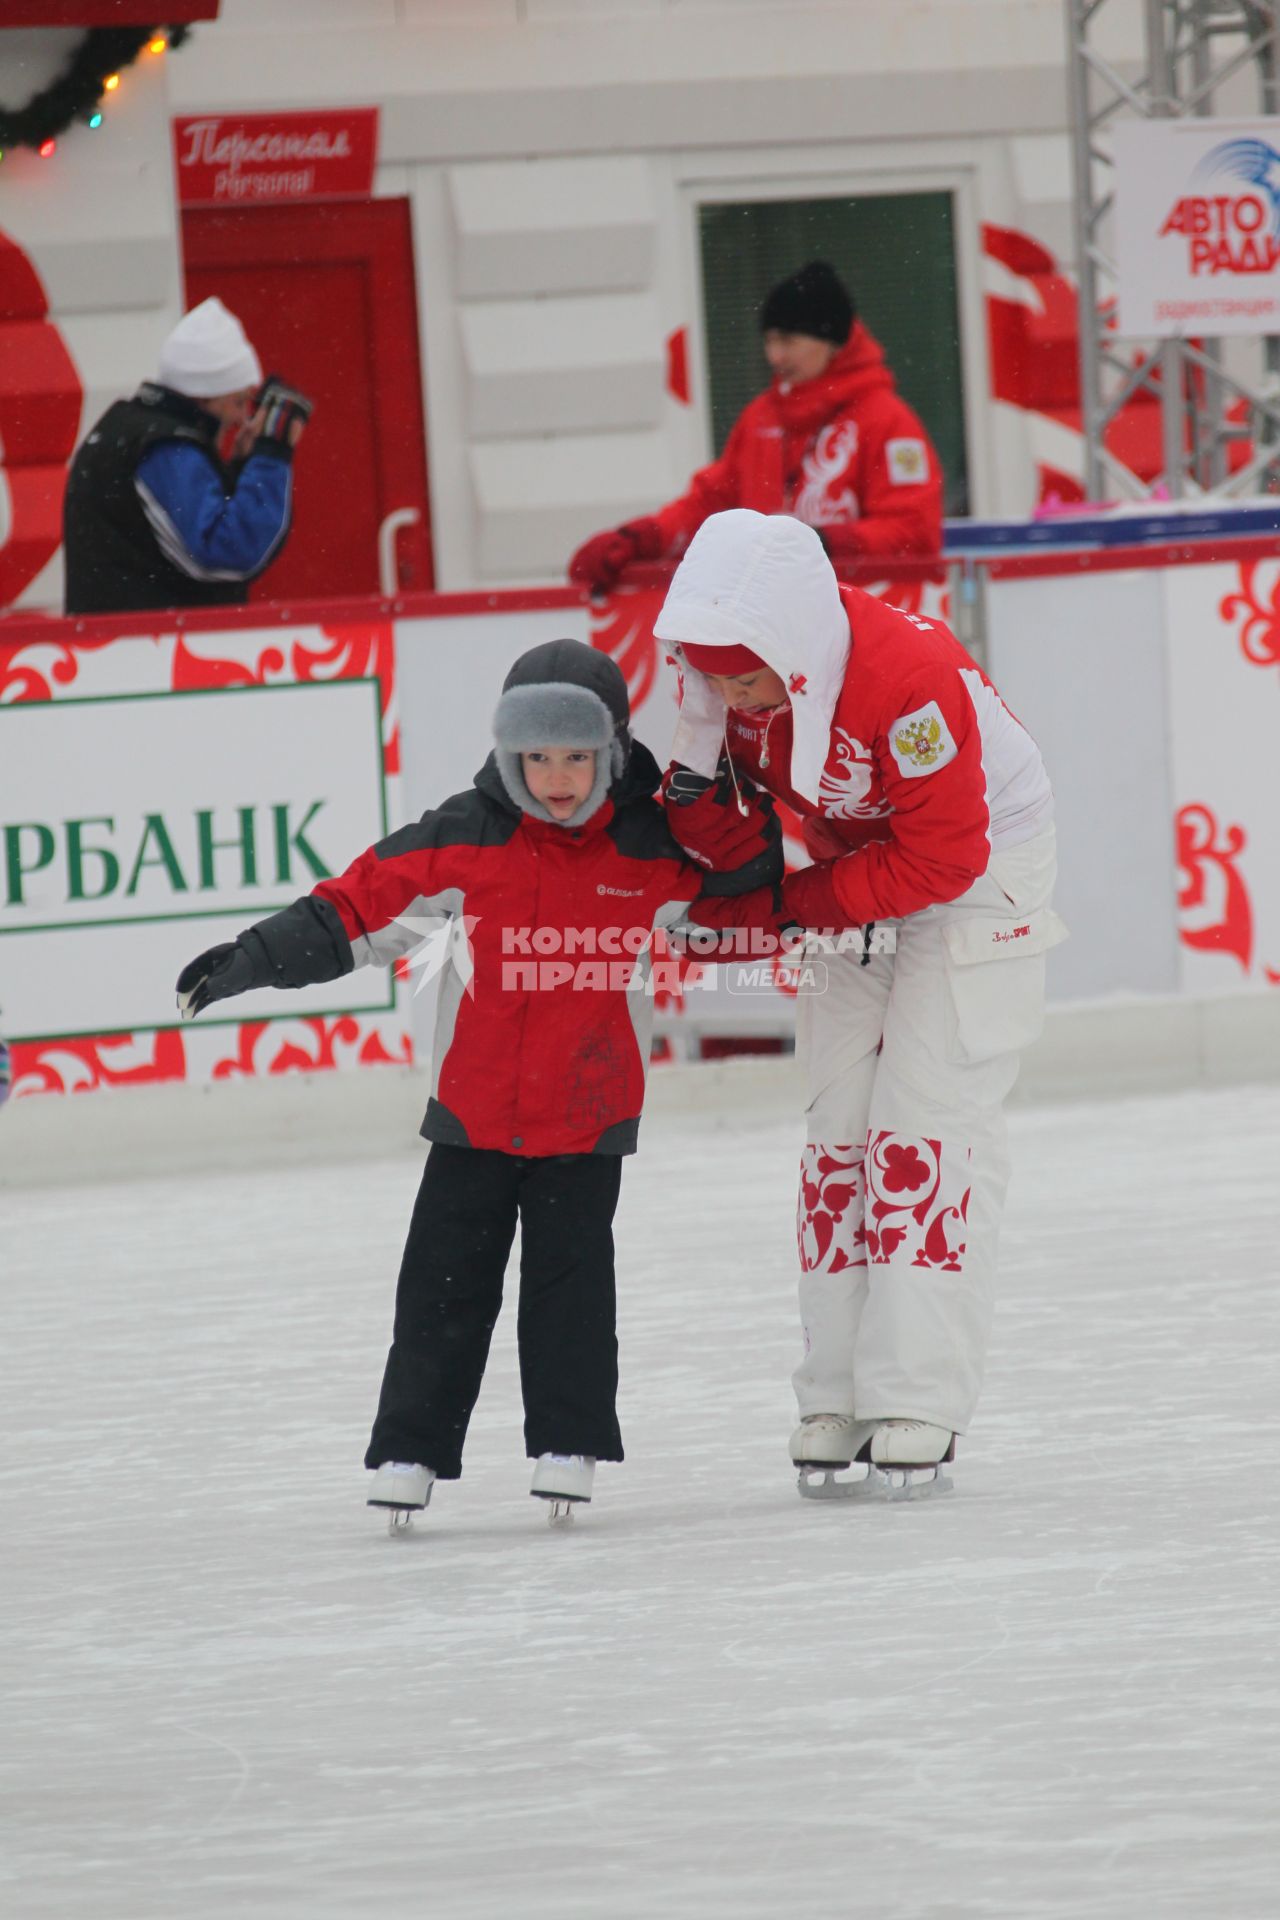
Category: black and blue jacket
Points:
column 153, row 518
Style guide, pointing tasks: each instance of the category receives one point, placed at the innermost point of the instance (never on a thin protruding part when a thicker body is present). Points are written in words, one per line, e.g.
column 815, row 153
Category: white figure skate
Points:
column 871, row 1459
column 826, row 1440
column 403, row 1488
column 565, row 1480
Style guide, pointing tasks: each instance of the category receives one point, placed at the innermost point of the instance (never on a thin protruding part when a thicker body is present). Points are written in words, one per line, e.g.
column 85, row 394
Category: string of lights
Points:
column 90, row 80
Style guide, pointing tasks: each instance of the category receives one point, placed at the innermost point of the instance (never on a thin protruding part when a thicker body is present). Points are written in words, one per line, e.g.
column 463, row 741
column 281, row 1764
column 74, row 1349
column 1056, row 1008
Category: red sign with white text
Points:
column 245, row 159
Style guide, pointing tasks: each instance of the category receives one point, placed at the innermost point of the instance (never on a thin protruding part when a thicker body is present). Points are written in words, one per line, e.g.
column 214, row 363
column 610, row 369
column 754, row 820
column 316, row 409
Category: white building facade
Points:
column 556, row 159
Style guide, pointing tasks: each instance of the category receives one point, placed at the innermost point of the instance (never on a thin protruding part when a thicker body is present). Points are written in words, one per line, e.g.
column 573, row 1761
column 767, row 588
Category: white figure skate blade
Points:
column 882, row 1484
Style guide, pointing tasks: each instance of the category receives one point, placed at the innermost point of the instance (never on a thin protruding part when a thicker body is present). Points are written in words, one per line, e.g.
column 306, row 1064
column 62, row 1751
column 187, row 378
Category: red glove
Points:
column 821, row 838
column 737, row 837
column 598, row 563
column 810, row 897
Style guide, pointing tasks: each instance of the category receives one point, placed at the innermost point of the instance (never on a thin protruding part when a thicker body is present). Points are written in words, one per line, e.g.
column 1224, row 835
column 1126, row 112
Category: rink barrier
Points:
column 1146, row 673
column 1086, row 1054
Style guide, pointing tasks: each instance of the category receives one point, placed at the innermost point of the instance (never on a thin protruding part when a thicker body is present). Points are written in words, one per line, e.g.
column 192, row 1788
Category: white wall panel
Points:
column 559, row 366
column 274, row 16
column 428, row 13
column 552, row 226
column 1042, row 178
column 533, row 496
column 474, row 83
column 97, row 219
column 567, row 134
column 1082, row 663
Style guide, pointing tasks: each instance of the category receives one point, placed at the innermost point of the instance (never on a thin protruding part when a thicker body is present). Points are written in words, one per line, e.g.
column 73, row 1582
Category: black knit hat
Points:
column 814, row 301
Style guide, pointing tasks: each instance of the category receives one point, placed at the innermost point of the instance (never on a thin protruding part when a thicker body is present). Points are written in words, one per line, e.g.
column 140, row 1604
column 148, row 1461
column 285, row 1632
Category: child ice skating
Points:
column 555, row 867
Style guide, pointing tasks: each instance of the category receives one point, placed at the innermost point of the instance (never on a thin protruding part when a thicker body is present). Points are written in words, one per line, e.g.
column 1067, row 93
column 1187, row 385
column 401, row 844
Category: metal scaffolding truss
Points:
column 1193, row 48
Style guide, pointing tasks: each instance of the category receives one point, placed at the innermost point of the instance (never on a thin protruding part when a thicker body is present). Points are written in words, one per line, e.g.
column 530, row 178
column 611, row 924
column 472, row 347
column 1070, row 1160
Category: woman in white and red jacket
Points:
column 930, row 817
column 831, row 441
column 552, row 874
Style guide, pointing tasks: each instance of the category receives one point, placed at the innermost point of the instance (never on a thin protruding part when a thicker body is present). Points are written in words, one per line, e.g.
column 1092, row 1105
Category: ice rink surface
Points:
column 1054, row 1693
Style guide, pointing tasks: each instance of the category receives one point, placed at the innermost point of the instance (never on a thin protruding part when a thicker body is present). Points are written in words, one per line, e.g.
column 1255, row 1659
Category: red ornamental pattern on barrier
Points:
column 308, row 1046
column 39, row 670
column 830, row 1226
column 1259, row 635
column 1209, row 877
column 84, row 1065
column 917, row 1202
column 119, row 1060
column 364, row 651
column 622, row 627
column 42, row 669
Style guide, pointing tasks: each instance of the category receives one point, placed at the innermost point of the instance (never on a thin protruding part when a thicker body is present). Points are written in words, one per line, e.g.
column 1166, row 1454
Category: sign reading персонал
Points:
column 139, row 829
column 1198, row 226
column 254, row 159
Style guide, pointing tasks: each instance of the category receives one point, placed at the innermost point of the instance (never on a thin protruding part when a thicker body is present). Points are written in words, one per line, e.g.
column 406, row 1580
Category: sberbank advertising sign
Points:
column 137, row 830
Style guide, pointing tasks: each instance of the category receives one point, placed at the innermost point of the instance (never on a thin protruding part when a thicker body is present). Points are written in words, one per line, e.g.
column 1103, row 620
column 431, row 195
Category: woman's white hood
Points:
column 761, row 581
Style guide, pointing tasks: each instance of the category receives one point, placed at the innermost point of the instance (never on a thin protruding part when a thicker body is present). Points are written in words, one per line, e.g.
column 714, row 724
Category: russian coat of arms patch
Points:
column 920, row 742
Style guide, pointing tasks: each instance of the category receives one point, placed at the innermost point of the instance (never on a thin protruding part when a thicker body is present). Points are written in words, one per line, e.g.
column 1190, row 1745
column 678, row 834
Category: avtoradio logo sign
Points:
column 1231, row 219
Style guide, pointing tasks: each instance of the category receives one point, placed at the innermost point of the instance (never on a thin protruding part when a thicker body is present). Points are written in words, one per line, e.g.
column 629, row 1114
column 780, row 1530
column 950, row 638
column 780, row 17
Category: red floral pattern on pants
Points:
column 917, row 1201
column 830, row 1225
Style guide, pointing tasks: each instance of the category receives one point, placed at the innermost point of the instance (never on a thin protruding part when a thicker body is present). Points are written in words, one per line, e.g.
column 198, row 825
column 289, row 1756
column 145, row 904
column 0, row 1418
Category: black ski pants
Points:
column 450, row 1291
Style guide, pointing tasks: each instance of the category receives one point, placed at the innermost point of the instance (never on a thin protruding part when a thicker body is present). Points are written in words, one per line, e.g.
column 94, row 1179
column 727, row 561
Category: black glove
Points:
column 683, row 786
column 280, row 406
column 218, row 974
column 297, row 947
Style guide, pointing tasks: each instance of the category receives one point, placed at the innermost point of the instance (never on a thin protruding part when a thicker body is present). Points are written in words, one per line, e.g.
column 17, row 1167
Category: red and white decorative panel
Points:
column 1223, row 655
column 174, row 788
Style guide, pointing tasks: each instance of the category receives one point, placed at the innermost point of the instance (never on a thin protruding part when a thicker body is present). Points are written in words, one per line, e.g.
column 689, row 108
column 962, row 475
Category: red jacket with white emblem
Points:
column 844, row 453
column 895, row 748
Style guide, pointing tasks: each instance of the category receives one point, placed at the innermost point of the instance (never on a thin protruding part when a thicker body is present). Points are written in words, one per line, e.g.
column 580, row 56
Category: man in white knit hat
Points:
column 152, row 516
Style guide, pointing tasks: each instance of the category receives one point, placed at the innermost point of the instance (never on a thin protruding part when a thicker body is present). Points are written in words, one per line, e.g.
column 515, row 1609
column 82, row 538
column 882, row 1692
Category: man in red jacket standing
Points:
column 831, row 442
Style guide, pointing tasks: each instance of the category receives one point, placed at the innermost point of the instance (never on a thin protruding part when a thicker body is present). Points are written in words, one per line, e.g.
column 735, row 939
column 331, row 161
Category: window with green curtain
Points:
column 896, row 254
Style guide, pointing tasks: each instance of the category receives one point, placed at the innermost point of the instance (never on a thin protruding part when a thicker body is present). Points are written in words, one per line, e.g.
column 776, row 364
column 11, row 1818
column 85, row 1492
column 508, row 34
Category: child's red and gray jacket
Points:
column 543, row 1017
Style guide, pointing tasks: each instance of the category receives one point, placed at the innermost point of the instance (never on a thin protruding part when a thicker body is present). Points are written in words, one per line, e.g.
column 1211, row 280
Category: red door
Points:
column 326, row 294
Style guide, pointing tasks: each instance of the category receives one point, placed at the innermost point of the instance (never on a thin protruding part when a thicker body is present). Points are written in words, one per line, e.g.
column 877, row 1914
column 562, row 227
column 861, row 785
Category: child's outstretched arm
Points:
column 367, row 916
column 301, row 944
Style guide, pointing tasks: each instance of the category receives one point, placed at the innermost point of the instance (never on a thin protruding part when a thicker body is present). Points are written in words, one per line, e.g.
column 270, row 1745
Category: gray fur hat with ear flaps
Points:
column 562, row 694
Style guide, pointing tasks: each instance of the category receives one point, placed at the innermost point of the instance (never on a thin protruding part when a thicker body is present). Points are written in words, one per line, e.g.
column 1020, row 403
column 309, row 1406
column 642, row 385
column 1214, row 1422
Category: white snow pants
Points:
column 909, row 1062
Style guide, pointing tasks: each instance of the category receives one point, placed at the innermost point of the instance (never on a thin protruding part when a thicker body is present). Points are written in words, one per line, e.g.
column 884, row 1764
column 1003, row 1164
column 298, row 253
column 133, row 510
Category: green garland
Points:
column 75, row 94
